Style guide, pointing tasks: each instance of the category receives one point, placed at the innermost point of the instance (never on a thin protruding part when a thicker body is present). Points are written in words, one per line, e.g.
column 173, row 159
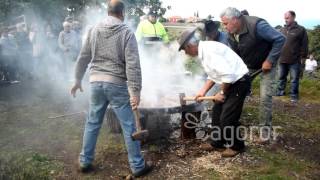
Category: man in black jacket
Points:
column 294, row 50
column 259, row 45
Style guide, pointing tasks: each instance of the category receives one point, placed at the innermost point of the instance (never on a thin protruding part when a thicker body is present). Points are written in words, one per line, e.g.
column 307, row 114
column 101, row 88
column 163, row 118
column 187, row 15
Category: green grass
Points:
column 276, row 165
column 110, row 143
column 174, row 33
column 279, row 164
column 309, row 89
column 292, row 124
column 309, row 127
column 28, row 165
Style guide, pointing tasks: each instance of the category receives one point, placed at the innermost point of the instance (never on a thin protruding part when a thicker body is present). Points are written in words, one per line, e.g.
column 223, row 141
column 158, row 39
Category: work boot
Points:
column 209, row 147
column 85, row 168
column 229, row 153
column 147, row 168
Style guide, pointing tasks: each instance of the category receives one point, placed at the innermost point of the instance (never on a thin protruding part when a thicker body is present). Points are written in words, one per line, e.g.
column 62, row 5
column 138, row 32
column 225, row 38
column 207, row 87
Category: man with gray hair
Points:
column 115, row 80
column 259, row 45
column 68, row 43
column 225, row 67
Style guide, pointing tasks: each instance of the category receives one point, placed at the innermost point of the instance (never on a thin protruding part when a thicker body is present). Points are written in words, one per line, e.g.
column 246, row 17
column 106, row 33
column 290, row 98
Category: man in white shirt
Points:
column 225, row 67
column 311, row 66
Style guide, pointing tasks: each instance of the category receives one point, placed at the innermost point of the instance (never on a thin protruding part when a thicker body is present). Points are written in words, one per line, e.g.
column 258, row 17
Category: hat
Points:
column 152, row 13
column 244, row 12
column 211, row 26
column 185, row 37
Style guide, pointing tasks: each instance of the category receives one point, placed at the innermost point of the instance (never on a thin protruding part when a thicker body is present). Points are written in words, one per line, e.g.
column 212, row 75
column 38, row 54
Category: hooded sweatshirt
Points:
column 112, row 50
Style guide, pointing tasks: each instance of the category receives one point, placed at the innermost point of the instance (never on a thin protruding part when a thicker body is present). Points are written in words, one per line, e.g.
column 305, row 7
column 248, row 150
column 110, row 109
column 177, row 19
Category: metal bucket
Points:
column 159, row 121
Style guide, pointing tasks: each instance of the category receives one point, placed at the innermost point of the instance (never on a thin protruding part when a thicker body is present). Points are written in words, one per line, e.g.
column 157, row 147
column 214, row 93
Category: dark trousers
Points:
column 9, row 67
column 225, row 116
column 294, row 70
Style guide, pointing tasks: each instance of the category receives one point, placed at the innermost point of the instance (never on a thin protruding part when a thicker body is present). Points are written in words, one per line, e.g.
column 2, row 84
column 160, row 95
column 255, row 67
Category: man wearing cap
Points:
column 211, row 29
column 151, row 30
column 225, row 67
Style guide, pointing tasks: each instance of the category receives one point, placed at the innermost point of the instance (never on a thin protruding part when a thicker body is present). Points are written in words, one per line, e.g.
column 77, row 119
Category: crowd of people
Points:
column 35, row 51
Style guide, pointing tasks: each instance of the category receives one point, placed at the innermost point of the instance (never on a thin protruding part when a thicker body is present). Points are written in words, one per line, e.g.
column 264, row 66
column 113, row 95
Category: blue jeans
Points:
column 117, row 96
column 267, row 90
column 268, row 87
column 294, row 70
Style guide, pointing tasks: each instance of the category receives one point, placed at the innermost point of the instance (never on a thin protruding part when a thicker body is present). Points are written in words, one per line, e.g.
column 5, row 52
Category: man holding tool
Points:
column 225, row 67
column 115, row 78
column 259, row 45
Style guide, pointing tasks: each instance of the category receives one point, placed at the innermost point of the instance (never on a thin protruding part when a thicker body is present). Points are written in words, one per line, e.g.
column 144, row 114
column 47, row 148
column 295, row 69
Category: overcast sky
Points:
column 272, row 10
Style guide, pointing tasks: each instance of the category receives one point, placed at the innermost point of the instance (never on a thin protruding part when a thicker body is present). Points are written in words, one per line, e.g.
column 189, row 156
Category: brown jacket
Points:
column 296, row 45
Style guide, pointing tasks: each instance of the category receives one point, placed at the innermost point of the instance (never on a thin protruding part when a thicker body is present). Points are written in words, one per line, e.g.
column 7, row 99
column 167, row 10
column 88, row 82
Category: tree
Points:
column 135, row 8
column 314, row 41
column 54, row 12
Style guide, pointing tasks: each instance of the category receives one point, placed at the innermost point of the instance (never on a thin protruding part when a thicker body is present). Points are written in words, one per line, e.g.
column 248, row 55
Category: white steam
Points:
column 164, row 76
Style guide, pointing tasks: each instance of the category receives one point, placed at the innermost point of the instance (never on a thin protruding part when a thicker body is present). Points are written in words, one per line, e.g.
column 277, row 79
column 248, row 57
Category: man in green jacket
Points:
column 151, row 30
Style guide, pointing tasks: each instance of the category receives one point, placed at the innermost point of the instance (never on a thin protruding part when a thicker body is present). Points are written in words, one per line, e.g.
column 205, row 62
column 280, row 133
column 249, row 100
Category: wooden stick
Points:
column 65, row 115
column 200, row 98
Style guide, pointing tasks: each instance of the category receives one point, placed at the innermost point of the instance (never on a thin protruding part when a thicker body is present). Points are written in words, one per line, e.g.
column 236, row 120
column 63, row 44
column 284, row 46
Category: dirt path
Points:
column 25, row 127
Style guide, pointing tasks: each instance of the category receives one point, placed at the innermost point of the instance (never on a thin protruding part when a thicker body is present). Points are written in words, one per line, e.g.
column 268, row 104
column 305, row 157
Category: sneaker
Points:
column 85, row 168
column 229, row 153
column 209, row 147
column 147, row 168
column 280, row 93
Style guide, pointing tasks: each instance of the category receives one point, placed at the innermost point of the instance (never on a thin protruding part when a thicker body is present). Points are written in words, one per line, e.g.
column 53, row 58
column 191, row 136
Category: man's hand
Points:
column 220, row 98
column 134, row 101
column 266, row 66
column 203, row 91
column 199, row 94
column 75, row 87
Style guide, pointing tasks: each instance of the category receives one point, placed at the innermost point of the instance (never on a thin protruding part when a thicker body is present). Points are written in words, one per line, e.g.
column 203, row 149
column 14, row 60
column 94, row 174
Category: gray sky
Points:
column 272, row 10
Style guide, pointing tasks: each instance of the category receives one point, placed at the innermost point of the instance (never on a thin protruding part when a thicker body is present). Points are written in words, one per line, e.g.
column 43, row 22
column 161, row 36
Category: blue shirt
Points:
column 223, row 38
column 268, row 33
